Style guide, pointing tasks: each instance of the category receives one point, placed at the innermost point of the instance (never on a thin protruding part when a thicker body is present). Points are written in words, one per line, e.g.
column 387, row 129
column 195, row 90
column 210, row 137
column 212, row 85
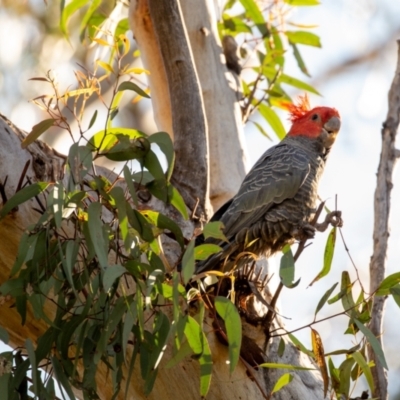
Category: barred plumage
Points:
column 277, row 199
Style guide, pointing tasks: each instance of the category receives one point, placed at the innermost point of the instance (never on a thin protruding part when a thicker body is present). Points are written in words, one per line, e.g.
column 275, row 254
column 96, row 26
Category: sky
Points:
column 347, row 29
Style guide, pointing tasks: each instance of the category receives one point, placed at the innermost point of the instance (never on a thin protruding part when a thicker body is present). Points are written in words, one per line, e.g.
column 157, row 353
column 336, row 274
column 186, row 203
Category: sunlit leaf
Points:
column 137, row 71
column 272, row 118
column 105, row 66
column 122, row 27
column 302, row 2
column 204, row 251
column 199, row 344
column 104, row 141
column 132, row 86
column 303, row 37
column 284, row 380
column 254, row 13
column 177, row 201
column 285, row 366
column 214, row 229
column 319, row 354
column 67, row 13
column 36, row 131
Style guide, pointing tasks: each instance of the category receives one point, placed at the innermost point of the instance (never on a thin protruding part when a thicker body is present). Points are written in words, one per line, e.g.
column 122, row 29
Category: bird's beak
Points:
column 330, row 131
column 333, row 125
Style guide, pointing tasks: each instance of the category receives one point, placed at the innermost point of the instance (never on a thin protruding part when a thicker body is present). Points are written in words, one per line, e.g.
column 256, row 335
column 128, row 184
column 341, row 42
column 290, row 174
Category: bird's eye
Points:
column 314, row 117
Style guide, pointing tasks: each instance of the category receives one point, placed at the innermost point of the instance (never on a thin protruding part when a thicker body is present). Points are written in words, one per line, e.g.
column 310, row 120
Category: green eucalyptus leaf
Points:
column 366, row 369
column 287, row 267
column 152, row 163
column 163, row 222
column 68, row 11
column 373, row 341
column 284, row 380
column 303, row 37
column 198, row 342
column 121, row 205
column 389, row 282
column 129, row 321
column 204, row 251
column 164, row 141
column 177, row 201
column 229, row 313
column 111, row 274
column 22, row 196
column 61, row 377
column 128, row 85
column 97, row 234
column 104, row 140
column 302, row 2
column 151, row 281
column 300, row 62
column 37, row 131
column 324, row 298
column 188, row 262
column 129, row 149
column 285, row 366
column 328, row 256
column 345, row 375
column 214, row 230
column 272, row 118
column 254, row 13
column 129, row 183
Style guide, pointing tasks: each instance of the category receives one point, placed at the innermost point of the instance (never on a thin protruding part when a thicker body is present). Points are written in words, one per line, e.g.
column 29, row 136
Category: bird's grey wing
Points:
column 277, row 176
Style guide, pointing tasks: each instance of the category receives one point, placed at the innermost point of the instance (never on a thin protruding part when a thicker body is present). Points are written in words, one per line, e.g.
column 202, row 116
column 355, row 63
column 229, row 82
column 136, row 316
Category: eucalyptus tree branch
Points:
column 381, row 224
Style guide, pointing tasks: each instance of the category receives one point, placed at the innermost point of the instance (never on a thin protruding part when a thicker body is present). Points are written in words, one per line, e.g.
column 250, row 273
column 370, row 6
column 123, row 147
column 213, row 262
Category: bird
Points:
column 276, row 202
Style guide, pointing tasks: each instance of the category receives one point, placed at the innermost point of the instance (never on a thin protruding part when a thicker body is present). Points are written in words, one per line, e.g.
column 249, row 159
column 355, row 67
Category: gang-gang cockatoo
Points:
column 277, row 199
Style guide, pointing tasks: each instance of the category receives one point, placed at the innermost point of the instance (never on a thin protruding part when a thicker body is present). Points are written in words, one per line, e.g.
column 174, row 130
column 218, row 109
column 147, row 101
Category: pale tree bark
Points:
column 384, row 185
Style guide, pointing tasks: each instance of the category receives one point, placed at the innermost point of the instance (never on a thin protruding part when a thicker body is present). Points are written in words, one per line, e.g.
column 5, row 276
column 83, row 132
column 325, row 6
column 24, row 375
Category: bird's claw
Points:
column 333, row 218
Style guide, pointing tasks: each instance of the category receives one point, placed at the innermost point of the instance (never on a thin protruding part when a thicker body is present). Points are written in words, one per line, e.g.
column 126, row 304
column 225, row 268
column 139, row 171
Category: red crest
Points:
column 298, row 109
